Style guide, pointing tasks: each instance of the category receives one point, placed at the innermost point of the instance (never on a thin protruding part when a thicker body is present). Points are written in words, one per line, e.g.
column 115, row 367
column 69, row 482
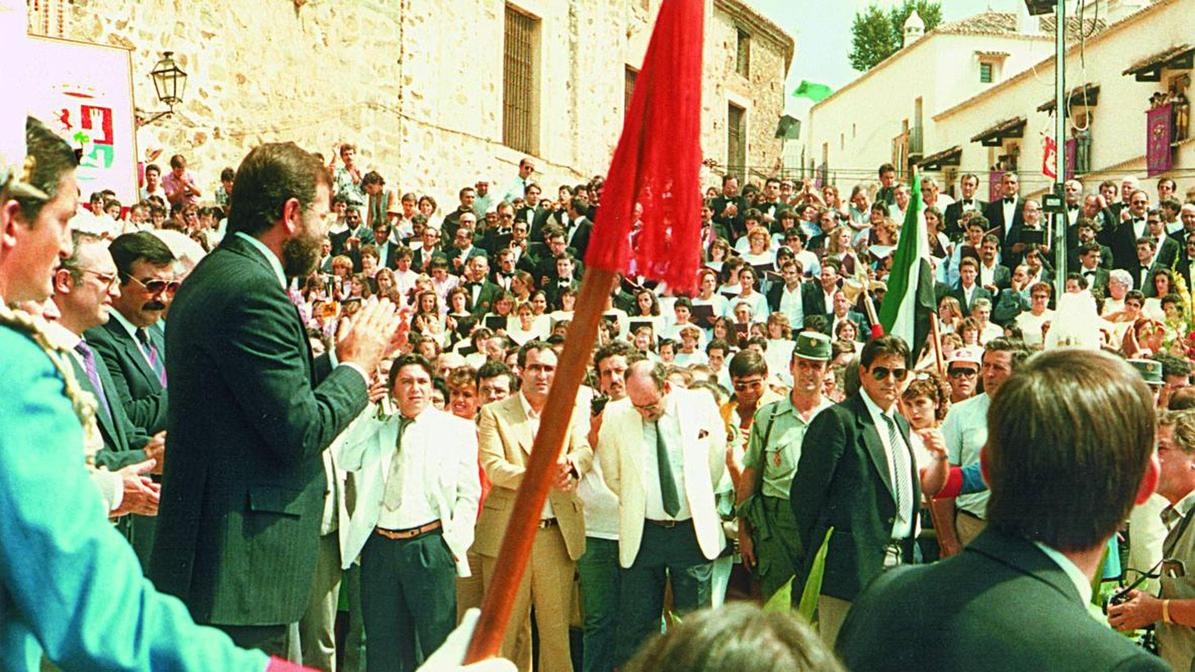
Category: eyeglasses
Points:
column 157, row 286
column 959, row 373
column 106, row 279
column 882, row 372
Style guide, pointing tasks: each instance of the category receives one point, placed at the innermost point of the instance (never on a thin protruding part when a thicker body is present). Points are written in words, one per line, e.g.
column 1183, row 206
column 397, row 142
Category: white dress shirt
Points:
column 533, row 425
column 416, row 505
column 674, row 446
column 900, row 468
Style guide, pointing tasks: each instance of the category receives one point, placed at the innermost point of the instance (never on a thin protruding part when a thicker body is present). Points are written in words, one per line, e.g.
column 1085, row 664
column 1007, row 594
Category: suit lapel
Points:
column 875, row 446
column 104, row 420
column 133, row 351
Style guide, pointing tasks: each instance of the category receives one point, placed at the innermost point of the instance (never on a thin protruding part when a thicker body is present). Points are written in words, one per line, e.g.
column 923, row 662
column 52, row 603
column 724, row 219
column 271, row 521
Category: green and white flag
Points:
column 909, row 303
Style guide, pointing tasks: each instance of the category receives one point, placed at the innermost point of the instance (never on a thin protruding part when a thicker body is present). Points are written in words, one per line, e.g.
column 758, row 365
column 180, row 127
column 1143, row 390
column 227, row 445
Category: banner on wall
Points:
column 84, row 92
column 1158, row 157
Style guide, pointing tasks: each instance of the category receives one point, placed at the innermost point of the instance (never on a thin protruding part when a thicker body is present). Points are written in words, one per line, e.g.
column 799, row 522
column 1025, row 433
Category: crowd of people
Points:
column 312, row 383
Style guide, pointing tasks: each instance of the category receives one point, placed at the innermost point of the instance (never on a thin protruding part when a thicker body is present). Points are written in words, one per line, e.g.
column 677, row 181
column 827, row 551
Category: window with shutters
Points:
column 742, row 52
column 736, row 141
column 985, row 73
column 520, row 114
column 629, row 88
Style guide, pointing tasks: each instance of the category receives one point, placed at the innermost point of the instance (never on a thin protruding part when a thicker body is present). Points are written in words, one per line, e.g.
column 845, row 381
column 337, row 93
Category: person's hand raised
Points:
column 367, row 339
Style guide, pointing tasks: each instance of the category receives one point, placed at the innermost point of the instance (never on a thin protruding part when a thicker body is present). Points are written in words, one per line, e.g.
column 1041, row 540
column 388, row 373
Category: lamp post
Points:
column 170, row 83
column 1057, row 209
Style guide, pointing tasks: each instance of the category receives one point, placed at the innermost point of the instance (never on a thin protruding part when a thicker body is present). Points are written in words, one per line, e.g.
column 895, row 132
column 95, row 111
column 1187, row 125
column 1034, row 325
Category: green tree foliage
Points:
column 876, row 34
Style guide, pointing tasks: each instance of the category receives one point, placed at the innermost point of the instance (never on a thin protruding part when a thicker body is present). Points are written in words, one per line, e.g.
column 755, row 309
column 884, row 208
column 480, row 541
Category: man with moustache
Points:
column 598, row 568
column 135, row 352
column 251, row 410
column 84, row 286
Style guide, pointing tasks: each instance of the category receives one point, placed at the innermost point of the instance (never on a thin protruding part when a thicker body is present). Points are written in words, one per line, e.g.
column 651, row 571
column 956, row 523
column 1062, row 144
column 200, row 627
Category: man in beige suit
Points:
column 662, row 450
column 508, row 429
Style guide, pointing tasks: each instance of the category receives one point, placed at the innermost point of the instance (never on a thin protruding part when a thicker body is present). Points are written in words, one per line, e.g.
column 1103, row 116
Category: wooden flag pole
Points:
column 537, row 480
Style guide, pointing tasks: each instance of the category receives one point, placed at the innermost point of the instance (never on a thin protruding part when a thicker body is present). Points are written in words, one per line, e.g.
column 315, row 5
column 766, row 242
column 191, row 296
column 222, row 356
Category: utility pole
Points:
column 1060, row 217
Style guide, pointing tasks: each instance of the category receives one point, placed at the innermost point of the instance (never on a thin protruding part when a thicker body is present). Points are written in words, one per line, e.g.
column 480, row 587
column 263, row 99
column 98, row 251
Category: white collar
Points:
column 874, row 409
column 1076, row 575
column 530, row 412
column 272, row 258
column 114, row 314
column 61, row 337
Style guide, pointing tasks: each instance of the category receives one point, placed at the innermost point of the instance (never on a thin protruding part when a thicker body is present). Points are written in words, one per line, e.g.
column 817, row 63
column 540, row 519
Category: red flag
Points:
column 658, row 159
column 1049, row 158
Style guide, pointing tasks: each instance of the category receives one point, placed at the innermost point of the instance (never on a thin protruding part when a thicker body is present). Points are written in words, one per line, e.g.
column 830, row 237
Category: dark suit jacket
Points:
column 954, row 213
column 578, row 238
column 1002, row 604
column 1146, row 286
column 813, row 301
column 994, row 212
column 1099, row 280
column 776, row 292
column 1002, row 277
column 1123, row 240
column 1168, row 253
column 842, row 481
column 980, row 293
column 135, row 384
column 420, row 260
column 485, row 298
column 123, row 441
column 733, row 225
column 251, row 412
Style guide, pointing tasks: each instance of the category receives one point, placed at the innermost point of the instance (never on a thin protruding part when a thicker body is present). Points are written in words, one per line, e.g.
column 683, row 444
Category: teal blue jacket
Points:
column 70, row 585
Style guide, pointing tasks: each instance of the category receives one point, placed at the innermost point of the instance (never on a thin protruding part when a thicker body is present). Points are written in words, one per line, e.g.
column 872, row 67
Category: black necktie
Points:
column 668, row 491
column 1009, row 200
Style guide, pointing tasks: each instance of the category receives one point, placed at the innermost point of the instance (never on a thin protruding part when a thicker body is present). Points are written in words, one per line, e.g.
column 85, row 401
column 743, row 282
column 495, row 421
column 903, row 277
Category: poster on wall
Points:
column 84, row 92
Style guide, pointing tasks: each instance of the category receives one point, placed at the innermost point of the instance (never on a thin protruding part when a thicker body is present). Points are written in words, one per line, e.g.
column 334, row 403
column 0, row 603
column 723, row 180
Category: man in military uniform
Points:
column 767, row 531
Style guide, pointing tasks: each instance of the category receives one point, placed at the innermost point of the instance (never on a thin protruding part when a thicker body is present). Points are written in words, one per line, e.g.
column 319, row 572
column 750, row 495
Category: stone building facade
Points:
column 421, row 86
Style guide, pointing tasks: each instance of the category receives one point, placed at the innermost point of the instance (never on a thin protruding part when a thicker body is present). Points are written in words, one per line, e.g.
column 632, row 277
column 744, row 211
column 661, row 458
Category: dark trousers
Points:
column 273, row 639
column 599, row 573
column 665, row 554
column 408, row 599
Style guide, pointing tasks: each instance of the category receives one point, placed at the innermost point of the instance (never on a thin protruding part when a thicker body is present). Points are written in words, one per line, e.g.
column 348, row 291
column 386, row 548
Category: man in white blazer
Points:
column 416, row 503
column 662, row 451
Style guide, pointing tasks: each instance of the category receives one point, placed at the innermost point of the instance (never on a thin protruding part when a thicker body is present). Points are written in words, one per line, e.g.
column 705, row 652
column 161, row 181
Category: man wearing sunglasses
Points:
column 858, row 476
column 965, row 430
column 133, row 349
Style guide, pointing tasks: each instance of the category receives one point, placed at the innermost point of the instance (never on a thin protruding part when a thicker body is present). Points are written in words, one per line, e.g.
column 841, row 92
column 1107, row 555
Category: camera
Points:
column 598, row 404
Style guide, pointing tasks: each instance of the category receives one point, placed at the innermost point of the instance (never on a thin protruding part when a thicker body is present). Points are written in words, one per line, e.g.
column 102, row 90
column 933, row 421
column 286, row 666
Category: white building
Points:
column 1111, row 76
column 887, row 113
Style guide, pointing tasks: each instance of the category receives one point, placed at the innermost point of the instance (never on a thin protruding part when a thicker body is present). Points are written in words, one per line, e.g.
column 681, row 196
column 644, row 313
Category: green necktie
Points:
column 392, row 496
column 668, row 493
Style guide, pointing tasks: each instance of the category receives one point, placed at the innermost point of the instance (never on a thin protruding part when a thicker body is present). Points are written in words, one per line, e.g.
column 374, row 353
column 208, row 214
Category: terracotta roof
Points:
column 946, row 156
column 1087, row 94
column 1009, row 128
column 1005, row 23
column 1158, row 58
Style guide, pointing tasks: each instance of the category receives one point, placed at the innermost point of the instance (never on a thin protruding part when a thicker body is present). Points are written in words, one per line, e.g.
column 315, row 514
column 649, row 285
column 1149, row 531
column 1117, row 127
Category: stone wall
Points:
column 416, row 84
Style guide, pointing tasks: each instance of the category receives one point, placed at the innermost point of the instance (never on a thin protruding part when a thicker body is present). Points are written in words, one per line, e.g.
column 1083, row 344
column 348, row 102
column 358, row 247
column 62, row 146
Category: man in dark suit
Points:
column 1017, row 597
column 1145, row 265
column 861, row 481
column 967, row 203
column 818, row 297
column 993, row 276
column 577, row 228
column 135, row 353
column 730, row 208
column 968, row 290
column 252, row 410
column 1168, row 248
column 1084, row 232
column 482, row 292
column 1096, row 275
column 84, row 287
column 566, row 279
column 431, row 248
column 1130, row 225
column 1006, row 217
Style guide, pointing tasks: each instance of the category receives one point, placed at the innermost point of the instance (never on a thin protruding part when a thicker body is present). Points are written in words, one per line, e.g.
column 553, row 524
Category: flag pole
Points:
column 545, row 452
